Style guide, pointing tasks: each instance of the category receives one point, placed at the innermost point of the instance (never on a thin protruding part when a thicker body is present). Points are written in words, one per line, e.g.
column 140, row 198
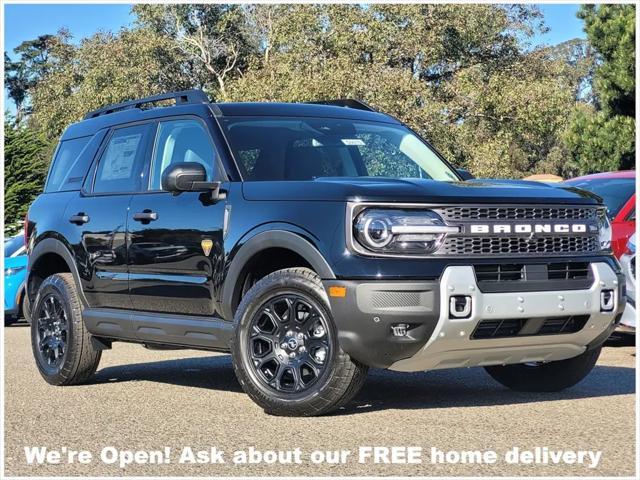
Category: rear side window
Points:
column 122, row 165
column 67, row 164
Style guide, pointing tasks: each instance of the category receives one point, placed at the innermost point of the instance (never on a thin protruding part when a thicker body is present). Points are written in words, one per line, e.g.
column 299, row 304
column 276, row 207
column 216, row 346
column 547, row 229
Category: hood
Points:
column 416, row 190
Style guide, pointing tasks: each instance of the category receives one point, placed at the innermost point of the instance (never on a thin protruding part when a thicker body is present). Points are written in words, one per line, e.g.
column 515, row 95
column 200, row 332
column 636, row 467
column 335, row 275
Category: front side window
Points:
column 305, row 148
column 182, row 141
column 122, row 165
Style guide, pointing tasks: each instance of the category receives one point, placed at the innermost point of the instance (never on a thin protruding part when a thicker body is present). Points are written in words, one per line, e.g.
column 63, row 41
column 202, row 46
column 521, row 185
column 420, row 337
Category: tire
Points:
column 60, row 342
column 545, row 377
column 318, row 380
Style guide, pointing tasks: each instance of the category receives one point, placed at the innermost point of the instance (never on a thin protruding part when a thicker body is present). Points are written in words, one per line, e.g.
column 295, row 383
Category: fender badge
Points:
column 206, row 246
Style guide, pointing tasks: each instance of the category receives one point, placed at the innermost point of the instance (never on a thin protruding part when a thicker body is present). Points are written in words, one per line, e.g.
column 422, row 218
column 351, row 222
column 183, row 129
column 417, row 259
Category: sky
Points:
column 27, row 21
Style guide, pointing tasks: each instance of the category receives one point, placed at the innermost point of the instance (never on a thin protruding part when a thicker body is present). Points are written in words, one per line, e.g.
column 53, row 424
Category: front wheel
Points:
column 545, row 377
column 285, row 350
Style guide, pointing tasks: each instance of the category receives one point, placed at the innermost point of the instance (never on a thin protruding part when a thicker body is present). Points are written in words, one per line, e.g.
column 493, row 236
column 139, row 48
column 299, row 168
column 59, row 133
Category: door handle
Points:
column 145, row 217
column 79, row 219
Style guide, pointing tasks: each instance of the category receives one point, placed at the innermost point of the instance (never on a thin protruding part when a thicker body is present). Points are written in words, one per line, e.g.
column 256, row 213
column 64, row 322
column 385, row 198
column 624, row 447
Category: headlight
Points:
column 604, row 229
column 12, row 271
column 412, row 232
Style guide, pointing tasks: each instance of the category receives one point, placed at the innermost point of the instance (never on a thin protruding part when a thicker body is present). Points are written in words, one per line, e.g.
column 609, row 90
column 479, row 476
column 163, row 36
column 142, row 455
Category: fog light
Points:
column 607, row 301
column 460, row 306
column 400, row 329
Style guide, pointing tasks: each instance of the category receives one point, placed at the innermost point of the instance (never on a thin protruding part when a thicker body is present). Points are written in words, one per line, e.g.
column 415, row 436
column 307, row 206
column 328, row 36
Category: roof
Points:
column 606, row 175
column 91, row 124
column 241, row 109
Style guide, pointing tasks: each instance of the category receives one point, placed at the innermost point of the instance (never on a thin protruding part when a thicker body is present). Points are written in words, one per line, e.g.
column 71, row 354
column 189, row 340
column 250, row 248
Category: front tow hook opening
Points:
column 460, row 306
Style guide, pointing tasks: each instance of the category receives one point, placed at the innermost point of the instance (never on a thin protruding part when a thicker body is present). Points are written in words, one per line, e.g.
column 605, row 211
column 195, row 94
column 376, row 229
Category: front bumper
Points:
column 366, row 314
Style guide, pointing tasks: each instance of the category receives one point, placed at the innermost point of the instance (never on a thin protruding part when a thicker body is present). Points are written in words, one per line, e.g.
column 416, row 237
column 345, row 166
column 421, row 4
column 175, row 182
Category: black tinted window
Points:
column 66, row 162
column 614, row 191
column 282, row 148
column 122, row 165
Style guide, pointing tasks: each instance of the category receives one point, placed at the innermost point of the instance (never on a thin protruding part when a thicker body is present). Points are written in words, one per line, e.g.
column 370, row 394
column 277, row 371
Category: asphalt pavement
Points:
column 142, row 400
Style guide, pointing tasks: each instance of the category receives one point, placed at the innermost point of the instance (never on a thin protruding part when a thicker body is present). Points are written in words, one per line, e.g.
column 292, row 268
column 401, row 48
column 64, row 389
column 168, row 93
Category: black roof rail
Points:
column 181, row 98
column 347, row 102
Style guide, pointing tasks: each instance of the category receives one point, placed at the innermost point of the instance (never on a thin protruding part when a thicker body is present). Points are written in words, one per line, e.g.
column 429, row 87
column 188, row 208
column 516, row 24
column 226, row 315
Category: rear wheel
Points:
column 60, row 342
column 285, row 349
column 545, row 377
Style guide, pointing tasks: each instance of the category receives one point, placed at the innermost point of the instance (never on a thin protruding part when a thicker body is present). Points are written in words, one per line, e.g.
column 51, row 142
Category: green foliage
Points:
column 602, row 137
column 26, row 157
column 106, row 68
column 601, row 142
column 37, row 59
column 456, row 74
column 463, row 76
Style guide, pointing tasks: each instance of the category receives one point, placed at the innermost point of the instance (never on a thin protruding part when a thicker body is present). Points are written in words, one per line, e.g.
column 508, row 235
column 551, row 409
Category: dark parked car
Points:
column 312, row 241
column 618, row 192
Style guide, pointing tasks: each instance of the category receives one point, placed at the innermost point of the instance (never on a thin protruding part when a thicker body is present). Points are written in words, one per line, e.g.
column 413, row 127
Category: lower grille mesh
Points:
column 513, row 327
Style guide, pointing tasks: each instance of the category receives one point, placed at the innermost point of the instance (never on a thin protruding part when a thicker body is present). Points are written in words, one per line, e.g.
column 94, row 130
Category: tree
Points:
column 459, row 75
column 26, row 157
column 37, row 59
column 215, row 39
column 602, row 134
column 106, row 68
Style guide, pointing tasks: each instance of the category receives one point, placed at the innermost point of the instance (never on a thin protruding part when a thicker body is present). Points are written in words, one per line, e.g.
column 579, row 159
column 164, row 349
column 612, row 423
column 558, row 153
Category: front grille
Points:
column 499, row 328
column 515, row 272
column 517, row 277
column 475, row 245
column 514, row 327
column 568, row 271
column 558, row 325
column 519, row 213
column 500, row 273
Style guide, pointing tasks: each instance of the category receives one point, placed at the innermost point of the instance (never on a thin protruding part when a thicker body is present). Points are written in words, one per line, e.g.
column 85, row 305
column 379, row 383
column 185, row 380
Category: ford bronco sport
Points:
column 312, row 241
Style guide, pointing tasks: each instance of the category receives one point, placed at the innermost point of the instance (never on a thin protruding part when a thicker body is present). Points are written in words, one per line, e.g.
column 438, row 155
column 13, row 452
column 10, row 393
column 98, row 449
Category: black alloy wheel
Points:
column 52, row 331
column 62, row 347
column 289, row 343
column 285, row 348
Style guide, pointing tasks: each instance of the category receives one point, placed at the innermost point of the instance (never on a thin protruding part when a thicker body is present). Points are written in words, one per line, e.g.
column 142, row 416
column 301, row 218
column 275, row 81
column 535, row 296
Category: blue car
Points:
column 15, row 269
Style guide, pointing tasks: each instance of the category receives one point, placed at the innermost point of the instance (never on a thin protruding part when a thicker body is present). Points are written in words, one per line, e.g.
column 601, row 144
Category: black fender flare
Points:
column 53, row 245
column 262, row 241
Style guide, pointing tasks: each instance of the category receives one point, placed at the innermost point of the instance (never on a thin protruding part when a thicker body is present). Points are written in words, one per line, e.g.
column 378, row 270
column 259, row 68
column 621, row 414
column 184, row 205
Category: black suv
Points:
column 312, row 241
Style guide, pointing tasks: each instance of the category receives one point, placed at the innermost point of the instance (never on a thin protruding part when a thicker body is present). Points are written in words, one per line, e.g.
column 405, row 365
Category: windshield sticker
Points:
column 356, row 142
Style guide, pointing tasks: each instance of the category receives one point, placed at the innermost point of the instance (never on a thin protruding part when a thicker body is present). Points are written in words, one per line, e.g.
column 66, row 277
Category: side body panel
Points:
column 174, row 261
column 99, row 248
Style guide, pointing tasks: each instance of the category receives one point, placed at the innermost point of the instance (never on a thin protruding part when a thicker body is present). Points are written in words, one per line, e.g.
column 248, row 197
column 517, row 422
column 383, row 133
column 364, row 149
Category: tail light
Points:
column 26, row 230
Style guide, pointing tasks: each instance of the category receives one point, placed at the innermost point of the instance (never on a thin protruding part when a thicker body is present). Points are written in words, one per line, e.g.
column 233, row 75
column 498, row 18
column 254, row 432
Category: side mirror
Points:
column 465, row 174
column 188, row 177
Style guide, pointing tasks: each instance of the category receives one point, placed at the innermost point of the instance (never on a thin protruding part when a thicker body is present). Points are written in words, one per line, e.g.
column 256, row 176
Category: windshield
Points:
column 614, row 191
column 304, row 148
column 13, row 246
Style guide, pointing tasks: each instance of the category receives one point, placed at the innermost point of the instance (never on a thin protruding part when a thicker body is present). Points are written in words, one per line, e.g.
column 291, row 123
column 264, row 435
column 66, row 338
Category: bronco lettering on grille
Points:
column 533, row 228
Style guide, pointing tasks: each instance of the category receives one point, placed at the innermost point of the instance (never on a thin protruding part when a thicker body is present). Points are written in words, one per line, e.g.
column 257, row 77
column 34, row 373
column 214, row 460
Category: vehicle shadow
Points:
column 214, row 373
column 471, row 387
